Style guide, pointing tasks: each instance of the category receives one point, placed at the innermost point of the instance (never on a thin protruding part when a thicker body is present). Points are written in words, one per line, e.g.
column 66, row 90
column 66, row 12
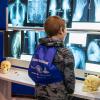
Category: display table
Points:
column 15, row 75
column 79, row 93
column 20, row 76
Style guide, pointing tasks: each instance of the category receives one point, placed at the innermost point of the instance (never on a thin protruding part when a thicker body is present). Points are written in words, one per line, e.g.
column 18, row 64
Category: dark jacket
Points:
column 64, row 61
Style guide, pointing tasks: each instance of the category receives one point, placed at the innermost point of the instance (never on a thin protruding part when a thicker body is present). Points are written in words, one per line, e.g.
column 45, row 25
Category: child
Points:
column 55, row 28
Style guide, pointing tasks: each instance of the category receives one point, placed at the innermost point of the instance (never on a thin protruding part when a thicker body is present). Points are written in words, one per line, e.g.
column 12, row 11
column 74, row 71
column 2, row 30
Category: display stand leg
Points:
column 5, row 90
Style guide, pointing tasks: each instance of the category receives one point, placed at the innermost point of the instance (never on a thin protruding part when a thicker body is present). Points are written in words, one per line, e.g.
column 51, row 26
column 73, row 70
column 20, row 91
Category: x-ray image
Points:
column 79, row 56
column 40, row 34
column 31, row 40
column 17, row 12
column 93, row 48
column 37, row 11
column 61, row 8
column 80, row 10
column 13, row 44
column 94, row 13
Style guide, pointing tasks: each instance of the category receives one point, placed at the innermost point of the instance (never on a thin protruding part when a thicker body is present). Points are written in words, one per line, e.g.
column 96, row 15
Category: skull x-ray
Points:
column 80, row 10
column 93, row 48
column 17, row 12
column 13, row 44
column 37, row 11
column 31, row 40
column 61, row 8
column 94, row 13
column 79, row 55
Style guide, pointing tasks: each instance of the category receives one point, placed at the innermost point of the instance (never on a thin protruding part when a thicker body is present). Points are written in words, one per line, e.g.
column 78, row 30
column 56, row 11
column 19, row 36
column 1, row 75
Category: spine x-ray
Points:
column 93, row 48
column 14, row 44
column 80, row 10
column 37, row 11
column 31, row 40
column 17, row 12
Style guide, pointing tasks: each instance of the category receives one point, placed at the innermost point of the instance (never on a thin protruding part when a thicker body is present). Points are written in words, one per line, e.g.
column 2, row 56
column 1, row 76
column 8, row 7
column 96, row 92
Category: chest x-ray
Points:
column 37, row 11
column 80, row 10
column 93, row 48
column 17, row 12
column 61, row 8
column 79, row 56
column 94, row 12
column 31, row 40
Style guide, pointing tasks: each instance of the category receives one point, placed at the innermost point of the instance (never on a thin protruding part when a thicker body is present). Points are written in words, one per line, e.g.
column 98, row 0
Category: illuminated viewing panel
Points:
column 20, row 46
column 27, row 12
column 31, row 40
column 94, row 15
column 13, row 44
column 86, row 10
column 80, row 10
column 62, row 8
column 86, row 50
column 17, row 12
column 77, row 46
column 93, row 48
column 36, row 11
column 19, row 43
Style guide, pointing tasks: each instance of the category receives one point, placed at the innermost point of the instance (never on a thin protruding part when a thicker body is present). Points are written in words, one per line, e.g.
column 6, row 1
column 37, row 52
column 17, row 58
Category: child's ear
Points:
column 61, row 31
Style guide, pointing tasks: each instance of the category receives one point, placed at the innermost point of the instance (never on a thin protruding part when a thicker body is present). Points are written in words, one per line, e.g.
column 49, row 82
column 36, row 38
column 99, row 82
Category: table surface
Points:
column 20, row 76
column 87, row 95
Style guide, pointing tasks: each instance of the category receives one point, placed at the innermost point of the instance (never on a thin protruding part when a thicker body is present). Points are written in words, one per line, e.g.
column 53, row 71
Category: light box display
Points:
column 62, row 8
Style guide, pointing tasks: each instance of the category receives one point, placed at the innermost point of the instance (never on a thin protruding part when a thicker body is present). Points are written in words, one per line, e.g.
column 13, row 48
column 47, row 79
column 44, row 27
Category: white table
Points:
column 20, row 76
column 15, row 75
column 79, row 93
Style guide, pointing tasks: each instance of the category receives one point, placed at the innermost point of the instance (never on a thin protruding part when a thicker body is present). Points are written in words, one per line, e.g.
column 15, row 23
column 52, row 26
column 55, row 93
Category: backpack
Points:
column 42, row 70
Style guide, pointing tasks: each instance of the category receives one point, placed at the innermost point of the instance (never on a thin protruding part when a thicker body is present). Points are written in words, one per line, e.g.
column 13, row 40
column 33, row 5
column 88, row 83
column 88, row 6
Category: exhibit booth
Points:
column 21, row 27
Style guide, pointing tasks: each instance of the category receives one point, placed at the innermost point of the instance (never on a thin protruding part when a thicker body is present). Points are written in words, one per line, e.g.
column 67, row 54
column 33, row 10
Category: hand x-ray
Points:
column 61, row 8
column 79, row 55
column 31, row 40
column 12, row 41
column 17, row 12
column 93, row 48
column 94, row 12
column 36, row 11
column 80, row 10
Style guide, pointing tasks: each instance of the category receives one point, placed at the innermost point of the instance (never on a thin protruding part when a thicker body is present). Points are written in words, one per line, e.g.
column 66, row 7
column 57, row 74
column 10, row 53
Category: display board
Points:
column 86, row 50
column 84, row 46
column 80, row 10
column 62, row 8
column 19, row 43
column 86, row 14
column 27, row 12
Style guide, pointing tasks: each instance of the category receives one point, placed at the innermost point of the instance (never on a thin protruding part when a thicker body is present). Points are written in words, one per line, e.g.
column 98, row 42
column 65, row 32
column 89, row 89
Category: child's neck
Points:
column 57, row 37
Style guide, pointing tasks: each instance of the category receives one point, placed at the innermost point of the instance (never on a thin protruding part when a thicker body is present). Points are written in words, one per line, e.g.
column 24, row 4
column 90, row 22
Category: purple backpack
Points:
column 42, row 70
